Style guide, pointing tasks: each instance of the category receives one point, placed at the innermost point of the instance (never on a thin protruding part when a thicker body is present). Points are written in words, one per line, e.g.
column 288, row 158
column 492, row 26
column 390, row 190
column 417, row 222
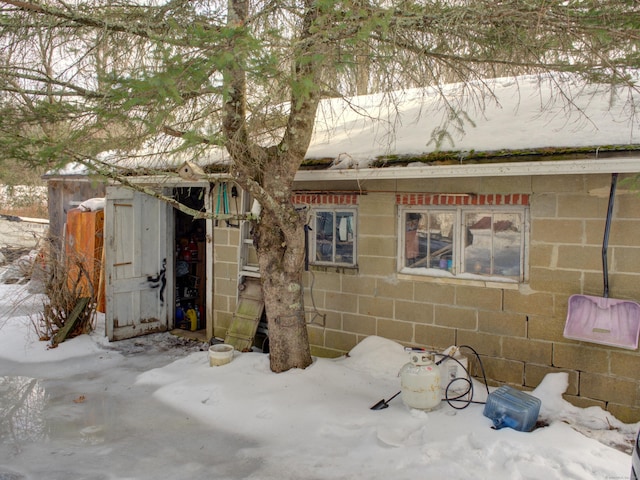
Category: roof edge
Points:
column 630, row 164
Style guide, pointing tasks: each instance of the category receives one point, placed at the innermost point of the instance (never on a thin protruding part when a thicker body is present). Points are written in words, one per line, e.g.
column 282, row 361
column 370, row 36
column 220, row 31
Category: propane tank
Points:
column 420, row 382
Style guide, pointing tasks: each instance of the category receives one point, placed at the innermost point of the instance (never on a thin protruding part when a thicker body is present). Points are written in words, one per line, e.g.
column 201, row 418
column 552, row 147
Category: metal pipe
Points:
column 607, row 228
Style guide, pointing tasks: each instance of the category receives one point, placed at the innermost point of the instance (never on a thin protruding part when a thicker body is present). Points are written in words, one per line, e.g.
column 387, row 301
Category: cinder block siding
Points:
column 517, row 330
column 225, row 285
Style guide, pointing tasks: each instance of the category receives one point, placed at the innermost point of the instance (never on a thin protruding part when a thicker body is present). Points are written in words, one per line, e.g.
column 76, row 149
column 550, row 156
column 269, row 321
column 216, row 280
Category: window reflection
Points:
column 22, row 403
column 428, row 240
column 334, row 237
column 461, row 240
column 493, row 243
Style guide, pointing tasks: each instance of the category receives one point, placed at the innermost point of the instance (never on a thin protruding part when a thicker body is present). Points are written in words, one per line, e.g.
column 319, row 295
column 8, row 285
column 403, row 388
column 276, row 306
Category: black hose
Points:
column 464, row 399
column 306, row 247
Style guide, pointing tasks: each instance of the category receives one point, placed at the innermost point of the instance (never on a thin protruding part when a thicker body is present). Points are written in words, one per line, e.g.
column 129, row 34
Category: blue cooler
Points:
column 508, row 407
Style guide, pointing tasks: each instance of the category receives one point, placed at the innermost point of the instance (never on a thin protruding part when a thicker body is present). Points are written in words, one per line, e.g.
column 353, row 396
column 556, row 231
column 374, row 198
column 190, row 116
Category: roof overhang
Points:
column 627, row 164
column 508, row 169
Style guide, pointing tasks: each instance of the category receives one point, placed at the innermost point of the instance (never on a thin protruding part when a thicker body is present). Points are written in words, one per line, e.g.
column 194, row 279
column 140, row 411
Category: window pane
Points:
column 345, row 237
column 440, row 235
column 477, row 243
column 324, row 236
column 411, row 241
column 507, row 231
column 493, row 243
column 428, row 239
column 334, row 236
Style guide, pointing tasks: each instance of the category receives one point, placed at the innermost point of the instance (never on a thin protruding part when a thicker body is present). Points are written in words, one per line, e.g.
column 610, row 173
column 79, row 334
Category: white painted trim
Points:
column 461, row 281
column 209, row 264
column 551, row 167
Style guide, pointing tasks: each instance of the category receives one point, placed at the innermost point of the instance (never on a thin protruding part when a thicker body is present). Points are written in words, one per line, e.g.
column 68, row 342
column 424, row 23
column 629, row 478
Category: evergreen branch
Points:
column 158, row 31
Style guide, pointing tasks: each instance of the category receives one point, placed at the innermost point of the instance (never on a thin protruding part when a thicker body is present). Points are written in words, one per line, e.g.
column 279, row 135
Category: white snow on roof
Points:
column 69, row 169
column 522, row 113
column 527, row 112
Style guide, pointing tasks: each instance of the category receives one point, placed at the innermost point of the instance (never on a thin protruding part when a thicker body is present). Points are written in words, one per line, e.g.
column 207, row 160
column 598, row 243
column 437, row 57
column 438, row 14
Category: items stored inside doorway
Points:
column 190, row 261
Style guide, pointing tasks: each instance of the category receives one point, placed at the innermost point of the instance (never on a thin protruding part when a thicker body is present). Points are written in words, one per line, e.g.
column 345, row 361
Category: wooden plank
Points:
column 61, row 335
column 83, row 249
column 247, row 316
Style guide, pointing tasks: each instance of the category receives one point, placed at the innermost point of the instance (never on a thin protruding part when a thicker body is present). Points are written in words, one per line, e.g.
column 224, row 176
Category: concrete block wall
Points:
column 518, row 330
column 225, row 267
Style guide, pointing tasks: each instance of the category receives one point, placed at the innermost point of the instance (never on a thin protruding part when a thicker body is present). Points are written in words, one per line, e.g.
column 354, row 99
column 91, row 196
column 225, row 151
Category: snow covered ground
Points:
column 153, row 408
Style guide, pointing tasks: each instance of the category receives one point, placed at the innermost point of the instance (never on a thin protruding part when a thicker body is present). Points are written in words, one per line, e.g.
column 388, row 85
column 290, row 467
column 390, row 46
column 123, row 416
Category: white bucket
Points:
column 220, row 354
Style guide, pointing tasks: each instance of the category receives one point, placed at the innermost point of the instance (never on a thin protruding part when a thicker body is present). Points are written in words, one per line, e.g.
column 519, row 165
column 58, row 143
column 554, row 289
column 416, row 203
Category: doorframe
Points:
column 209, row 263
column 173, row 183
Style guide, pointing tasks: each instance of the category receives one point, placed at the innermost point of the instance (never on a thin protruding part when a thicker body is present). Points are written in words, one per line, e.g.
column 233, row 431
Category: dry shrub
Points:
column 68, row 286
column 32, row 211
column 19, row 264
column 24, row 200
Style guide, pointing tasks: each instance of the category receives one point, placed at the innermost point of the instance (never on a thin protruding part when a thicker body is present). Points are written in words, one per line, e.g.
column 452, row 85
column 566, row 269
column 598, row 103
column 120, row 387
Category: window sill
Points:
column 325, row 267
column 505, row 284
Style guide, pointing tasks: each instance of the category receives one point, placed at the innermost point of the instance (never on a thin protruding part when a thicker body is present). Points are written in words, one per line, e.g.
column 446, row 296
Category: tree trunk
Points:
column 268, row 174
column 281, row 258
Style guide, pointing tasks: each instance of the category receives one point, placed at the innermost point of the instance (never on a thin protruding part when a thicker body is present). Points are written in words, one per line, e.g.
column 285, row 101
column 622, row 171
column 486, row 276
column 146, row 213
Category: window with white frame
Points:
column 332, row 236
column 464, row 241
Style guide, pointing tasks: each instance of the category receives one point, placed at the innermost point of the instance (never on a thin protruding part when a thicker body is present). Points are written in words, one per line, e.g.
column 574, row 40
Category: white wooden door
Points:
column 139, row 269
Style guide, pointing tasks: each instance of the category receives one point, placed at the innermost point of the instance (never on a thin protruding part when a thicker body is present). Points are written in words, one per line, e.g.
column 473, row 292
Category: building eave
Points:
column 629, row 164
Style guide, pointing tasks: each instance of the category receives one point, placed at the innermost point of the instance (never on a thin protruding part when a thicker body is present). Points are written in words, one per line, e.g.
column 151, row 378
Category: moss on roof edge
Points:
column 456, row 157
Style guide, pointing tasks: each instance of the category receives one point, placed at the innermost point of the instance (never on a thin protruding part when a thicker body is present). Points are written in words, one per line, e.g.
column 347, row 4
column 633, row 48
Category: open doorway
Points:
column 190, row 265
